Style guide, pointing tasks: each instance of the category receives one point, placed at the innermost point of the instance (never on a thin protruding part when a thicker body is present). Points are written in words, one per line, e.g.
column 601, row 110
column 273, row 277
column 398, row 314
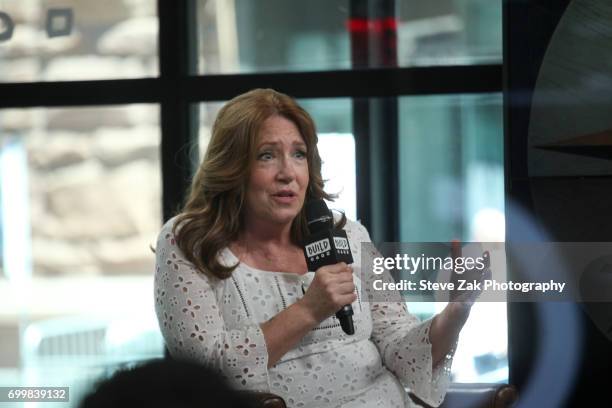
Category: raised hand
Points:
column 468, row 285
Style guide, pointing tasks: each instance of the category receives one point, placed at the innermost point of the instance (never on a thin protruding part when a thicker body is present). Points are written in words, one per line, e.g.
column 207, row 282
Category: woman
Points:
column 233, row 290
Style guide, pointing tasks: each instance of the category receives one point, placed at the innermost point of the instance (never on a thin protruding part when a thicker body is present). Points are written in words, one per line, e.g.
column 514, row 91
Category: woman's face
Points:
column 279, row 176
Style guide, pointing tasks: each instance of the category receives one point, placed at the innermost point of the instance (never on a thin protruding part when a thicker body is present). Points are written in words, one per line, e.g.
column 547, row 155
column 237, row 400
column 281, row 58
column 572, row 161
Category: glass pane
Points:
column 449, row 32
column 81, row 206
column 49, row 40
column 333, row 120
column 272, row 35
column 452, row 186
column 240, row 36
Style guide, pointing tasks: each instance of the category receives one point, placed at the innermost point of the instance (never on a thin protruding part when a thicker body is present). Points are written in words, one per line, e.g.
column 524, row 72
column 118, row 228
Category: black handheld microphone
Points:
column 326, row 246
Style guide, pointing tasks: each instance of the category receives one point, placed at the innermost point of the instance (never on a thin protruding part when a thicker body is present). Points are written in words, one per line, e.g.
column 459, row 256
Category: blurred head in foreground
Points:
column 165, row 383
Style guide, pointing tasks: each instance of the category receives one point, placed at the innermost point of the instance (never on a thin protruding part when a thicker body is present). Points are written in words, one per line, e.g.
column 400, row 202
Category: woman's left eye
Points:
column 300, row 154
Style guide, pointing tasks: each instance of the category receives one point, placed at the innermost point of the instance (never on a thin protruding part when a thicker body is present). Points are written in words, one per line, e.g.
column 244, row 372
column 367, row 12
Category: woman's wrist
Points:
column 456, row 313
column 306, row 314
column 445, row 327
column 450, row 320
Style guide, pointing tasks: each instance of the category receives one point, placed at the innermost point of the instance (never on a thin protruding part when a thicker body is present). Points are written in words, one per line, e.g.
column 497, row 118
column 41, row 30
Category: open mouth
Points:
column 285, row 197
column 285, row 194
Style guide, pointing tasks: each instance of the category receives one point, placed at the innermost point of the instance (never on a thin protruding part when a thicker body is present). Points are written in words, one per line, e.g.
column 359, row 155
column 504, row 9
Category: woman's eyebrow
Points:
column 274, row 144
column 267, row 144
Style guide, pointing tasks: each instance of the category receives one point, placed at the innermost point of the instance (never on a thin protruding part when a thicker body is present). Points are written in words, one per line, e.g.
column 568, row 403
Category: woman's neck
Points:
column 268, row 246
column 266, row 234
column 269, row 250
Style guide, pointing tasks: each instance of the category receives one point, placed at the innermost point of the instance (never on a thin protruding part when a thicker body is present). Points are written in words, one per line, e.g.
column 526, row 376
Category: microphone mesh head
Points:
column 318, row 216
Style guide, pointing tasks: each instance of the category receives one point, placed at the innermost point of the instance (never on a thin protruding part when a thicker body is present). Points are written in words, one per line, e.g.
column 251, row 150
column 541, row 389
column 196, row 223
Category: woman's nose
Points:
column 286, row 170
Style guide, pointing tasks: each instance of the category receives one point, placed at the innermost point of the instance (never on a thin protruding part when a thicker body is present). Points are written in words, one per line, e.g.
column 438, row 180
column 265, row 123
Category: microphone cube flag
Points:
column 327, row 247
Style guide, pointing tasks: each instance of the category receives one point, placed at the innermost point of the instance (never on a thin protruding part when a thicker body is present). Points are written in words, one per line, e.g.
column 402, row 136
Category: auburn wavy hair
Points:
column 212, row 216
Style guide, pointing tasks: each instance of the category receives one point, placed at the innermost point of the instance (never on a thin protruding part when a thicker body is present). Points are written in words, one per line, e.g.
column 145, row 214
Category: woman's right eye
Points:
column 264, row 156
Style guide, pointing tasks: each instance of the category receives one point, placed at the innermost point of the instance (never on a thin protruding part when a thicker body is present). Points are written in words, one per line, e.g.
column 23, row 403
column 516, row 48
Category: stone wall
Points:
column 107, row 40
column 94, row 188
column 93, row 173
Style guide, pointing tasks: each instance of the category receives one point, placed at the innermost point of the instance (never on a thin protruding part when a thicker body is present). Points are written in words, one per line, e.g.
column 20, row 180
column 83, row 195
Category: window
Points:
column 451, row 150
column 451, row 147
column 111, row 102
column 44, row 40
column 84, row 209
column 242, row 36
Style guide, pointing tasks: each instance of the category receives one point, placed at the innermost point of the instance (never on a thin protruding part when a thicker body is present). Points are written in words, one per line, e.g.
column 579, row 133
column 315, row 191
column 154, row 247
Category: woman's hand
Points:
column 473, row 279
column 331, row 288
column 445, row 326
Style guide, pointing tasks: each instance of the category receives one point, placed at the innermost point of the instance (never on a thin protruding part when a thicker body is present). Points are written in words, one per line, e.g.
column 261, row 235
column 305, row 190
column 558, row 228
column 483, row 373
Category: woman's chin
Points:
column 285, row 216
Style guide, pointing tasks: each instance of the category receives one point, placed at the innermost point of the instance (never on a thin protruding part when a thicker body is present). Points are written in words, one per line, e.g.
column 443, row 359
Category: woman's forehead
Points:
column 279, row 130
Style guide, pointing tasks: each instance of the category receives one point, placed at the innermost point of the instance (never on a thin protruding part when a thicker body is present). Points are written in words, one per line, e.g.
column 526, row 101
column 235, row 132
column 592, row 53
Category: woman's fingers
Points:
column 335, row 268
column 455, row 248
column 331, row 288
column 346, row 288
column 337, row 273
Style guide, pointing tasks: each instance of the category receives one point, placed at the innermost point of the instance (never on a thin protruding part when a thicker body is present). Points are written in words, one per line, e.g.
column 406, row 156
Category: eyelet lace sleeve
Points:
column 192, row 324
column 403, row 342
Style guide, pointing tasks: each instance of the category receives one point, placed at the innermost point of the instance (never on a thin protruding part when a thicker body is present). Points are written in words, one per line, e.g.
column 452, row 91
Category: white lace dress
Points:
column 217, row 323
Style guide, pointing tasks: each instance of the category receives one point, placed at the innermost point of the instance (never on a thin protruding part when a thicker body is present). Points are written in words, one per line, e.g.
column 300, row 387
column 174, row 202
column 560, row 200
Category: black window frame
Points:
column 179, row 88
